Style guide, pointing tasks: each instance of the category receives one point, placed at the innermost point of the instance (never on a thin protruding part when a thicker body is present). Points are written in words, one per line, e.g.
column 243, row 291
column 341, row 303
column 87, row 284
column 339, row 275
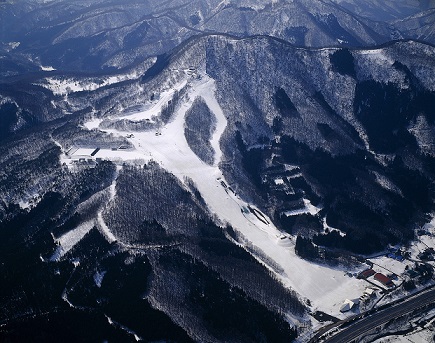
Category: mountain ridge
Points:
column 154, row 31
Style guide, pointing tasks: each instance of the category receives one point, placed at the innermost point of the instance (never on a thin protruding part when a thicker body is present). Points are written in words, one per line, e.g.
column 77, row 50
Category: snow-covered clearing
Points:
column 325, row 287
column 330, row 228
column 386, row 183
column 152, row 109
column 12, row 46
column 104, row 229
column 67, row 241
column 83, row 151
column 94, row 123
column 29, row 200
column 117, row 156
column 98, row 278
column 47, row 68
column 308, row 208
column 424, row 241
column 386, row 265
column 102, row 226
column 64, row 86
column 377, row 55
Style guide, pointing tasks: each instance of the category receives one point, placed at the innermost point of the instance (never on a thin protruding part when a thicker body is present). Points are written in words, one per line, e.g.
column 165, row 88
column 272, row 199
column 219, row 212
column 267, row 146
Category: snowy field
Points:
column 152, row 108
column 65, row 86
column 386, row 265
column 116, row 156
column 47, row 68
column 377, row 55
column 425, row 241
column 67, row 241
column 308, row 208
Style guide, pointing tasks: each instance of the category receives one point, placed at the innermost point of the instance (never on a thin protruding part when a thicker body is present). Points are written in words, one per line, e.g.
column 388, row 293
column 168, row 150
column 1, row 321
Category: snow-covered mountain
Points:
column 209, row 171
column 223, row 150
column 92, row 35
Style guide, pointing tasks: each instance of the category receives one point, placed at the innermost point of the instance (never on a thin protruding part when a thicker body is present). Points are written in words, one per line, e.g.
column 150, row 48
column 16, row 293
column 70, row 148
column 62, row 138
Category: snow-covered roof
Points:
column 369, row 291
column 279, row 181
column 347, row 305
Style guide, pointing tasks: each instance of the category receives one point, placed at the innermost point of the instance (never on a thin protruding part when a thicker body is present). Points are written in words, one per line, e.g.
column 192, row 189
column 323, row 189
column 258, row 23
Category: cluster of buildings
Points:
column 279, row 178
column 348, row 305
column 384, row 280
column 373, row 277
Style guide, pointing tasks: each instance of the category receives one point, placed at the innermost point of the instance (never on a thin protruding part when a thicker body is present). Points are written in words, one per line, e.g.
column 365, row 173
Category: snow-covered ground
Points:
column 386, row 183
column 47, row 68
column 94, row 123
column 425, row 241
column 29, row 200
column 152, row 108
column 330, row 228
column 377, row 55
column 64, row 86
column 67, row 241
column 308, row 208
column 12, row 46
column 102, row 226
column 98, row 278
column 117, row 156
column 386, row 265
column 325, row 287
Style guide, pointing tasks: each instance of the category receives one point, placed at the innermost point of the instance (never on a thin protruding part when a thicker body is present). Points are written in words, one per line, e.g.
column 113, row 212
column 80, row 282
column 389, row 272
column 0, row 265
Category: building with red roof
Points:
column 366, row 273
column 384, row 280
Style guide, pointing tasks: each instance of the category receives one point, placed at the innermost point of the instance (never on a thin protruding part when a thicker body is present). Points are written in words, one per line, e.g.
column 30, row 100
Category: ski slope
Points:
column 325, row 287
column 67, row 241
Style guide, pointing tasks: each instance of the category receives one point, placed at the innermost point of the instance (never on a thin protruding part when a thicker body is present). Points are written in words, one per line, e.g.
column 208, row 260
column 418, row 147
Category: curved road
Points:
column 363, row 326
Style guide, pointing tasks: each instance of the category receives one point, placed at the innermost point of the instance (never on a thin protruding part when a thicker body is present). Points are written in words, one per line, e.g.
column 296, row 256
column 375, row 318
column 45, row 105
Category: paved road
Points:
column 363, row 326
